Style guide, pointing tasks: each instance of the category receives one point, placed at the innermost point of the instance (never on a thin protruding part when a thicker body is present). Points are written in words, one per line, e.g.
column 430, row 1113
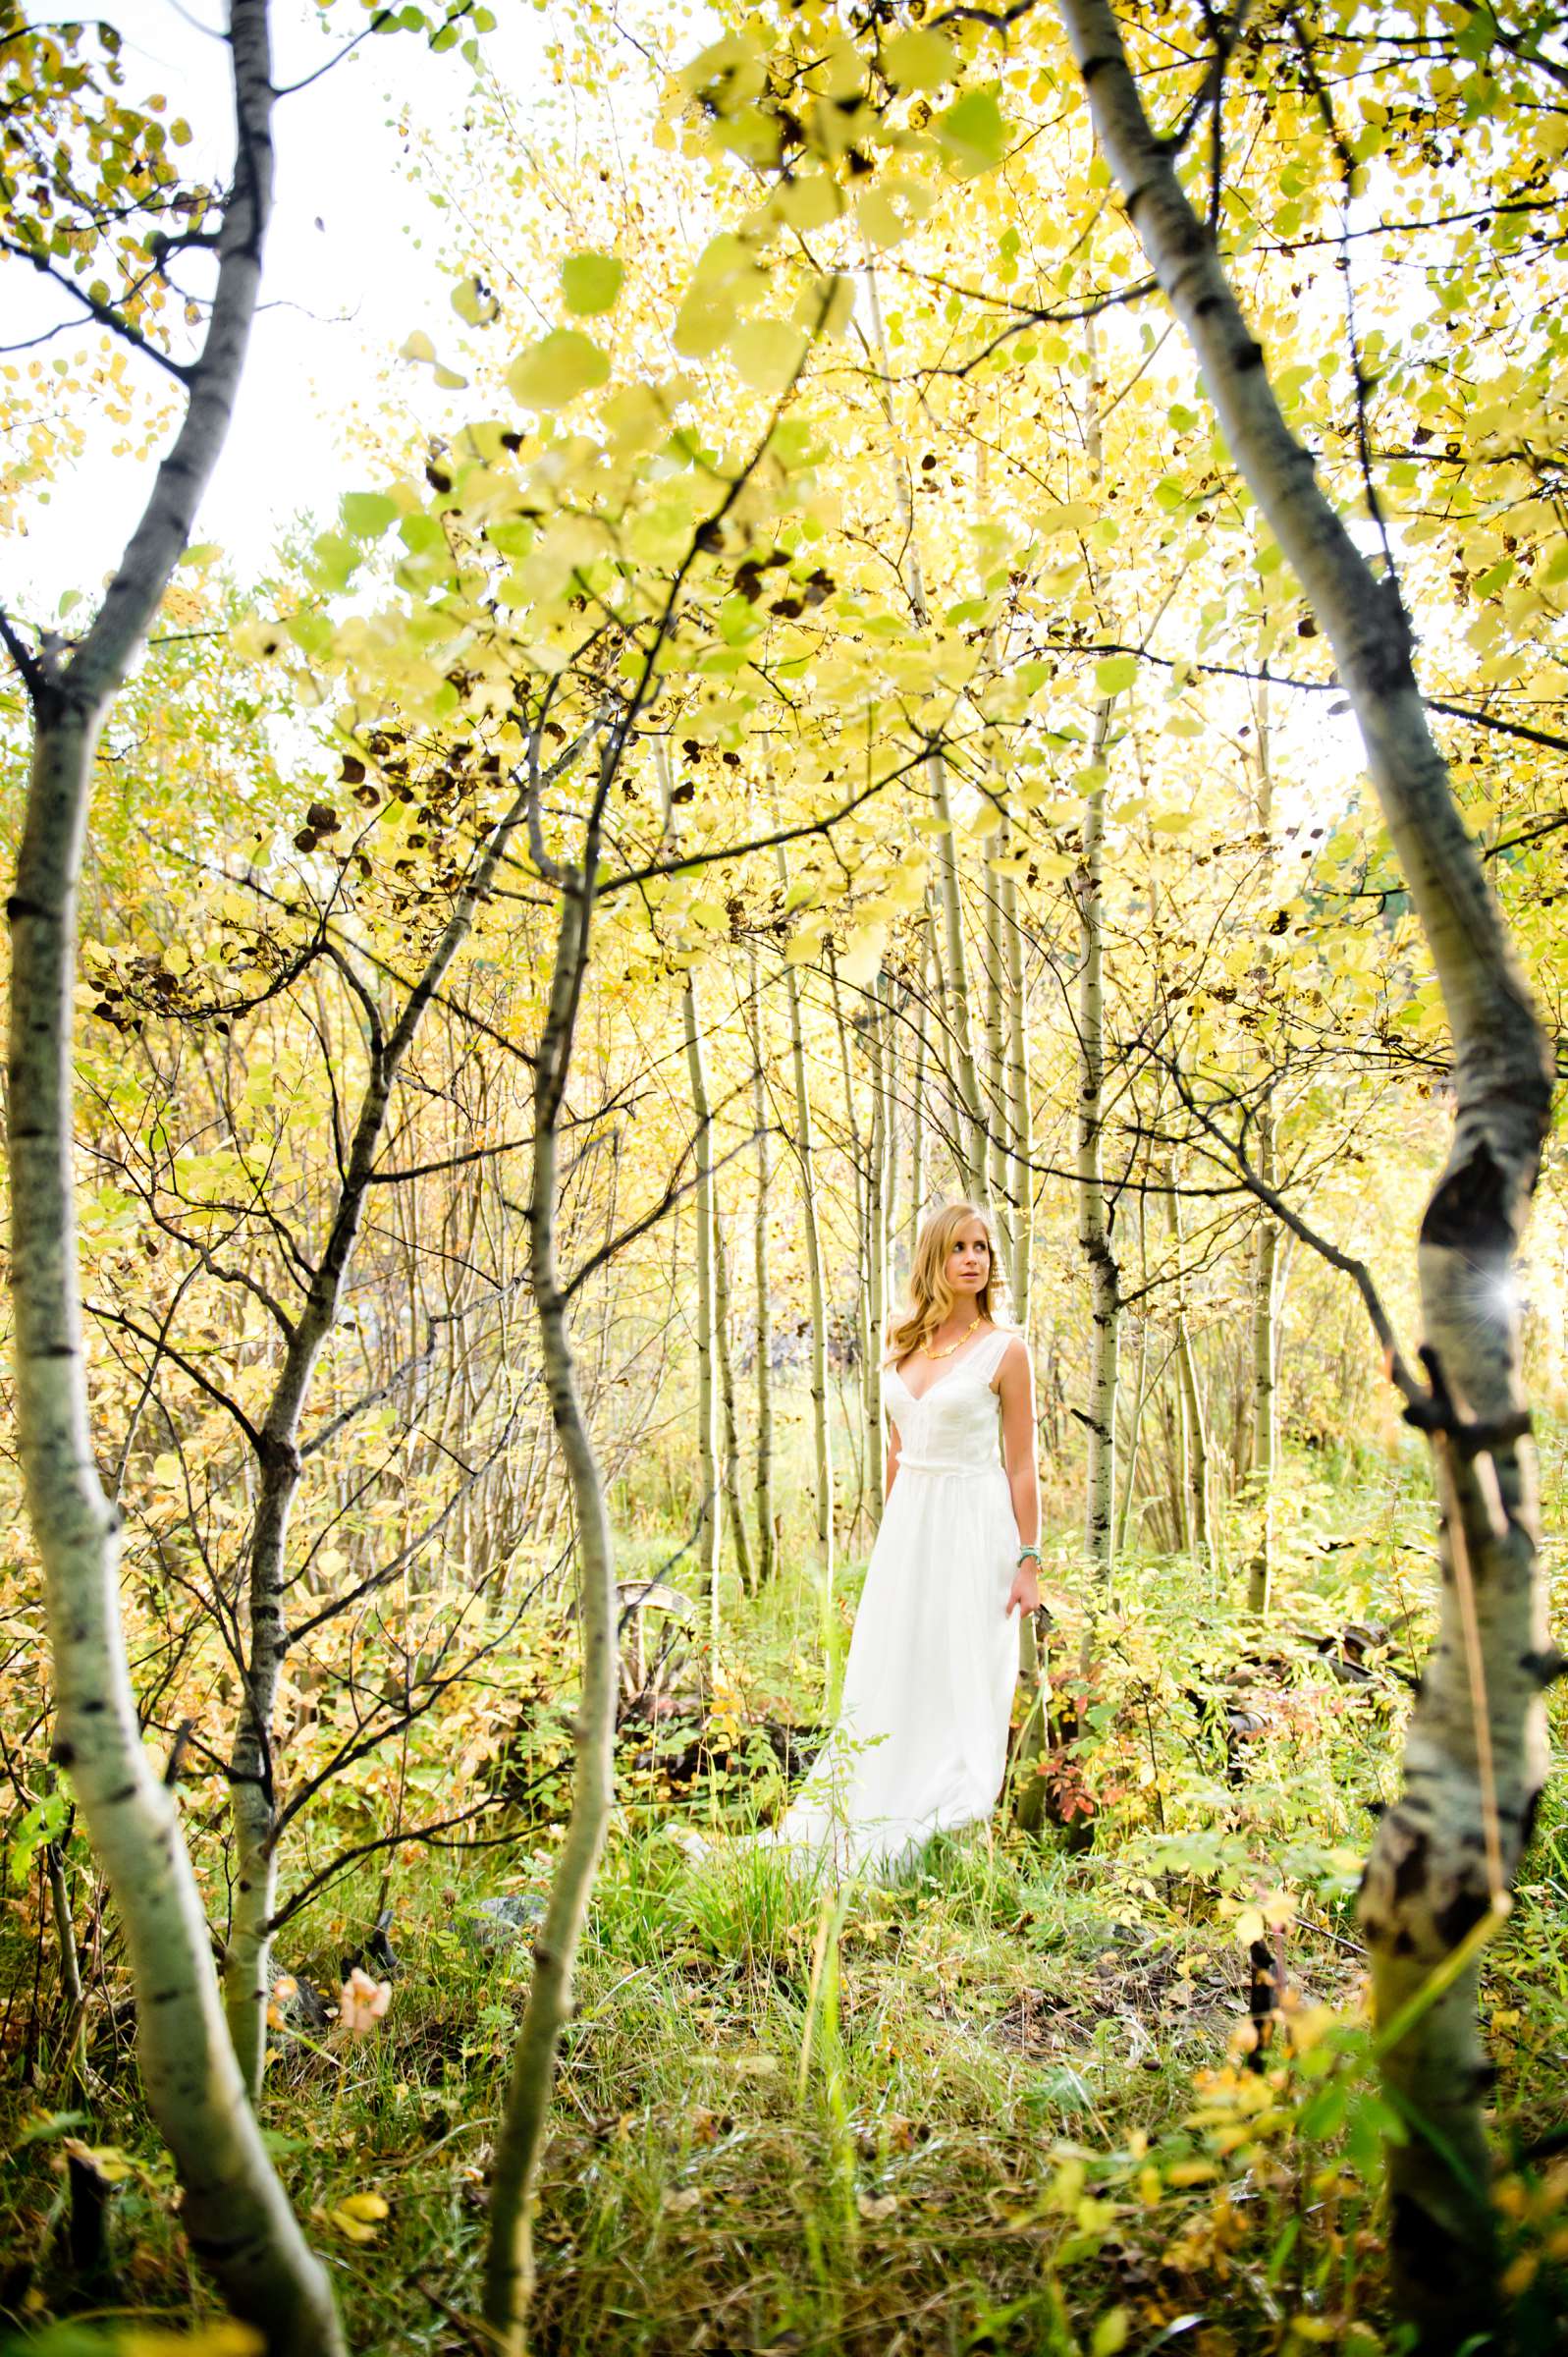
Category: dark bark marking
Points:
column 1411, row 1872
column 1461, row 1913
column 1419, row 2241
column 1469, row 1209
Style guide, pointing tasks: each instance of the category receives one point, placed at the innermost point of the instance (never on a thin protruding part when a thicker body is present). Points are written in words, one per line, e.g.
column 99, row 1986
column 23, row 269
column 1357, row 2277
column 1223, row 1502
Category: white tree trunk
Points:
column 710, row 1485
column 816, row 1290
column 1475, row 1756
column 1094, row 1220
column 1020, row 1117
column 762, row 1289
column 970, row 1139
column 1265, row 1357
column 508, row 2278
column 234, row 2213
column 1265, row 1252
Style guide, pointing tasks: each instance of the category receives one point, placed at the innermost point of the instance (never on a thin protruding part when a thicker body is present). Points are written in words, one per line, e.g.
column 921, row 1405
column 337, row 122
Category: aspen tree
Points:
column 816, row 1290
column 762, row 1491
column 234, row 2212
column 1020, row 1118
column 970, row 1141
column 878, row 1041
column 1438, row 1880
column 1266, row 1258
column 1094, row 1214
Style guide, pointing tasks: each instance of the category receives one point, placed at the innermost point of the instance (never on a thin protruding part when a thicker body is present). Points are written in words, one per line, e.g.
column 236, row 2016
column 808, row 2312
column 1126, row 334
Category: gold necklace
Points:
column 948, row 1348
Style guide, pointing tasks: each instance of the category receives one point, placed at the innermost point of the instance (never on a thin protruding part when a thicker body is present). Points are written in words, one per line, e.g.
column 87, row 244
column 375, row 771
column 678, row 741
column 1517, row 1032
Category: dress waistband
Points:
column 930, row 1464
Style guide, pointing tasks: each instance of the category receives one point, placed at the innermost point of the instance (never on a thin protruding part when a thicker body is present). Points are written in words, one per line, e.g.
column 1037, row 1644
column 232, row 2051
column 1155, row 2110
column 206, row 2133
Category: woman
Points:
column 921, row 1742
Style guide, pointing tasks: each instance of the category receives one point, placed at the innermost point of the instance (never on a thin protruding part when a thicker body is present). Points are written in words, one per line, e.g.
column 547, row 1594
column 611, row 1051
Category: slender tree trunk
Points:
column 860, row 1186
column 234, row 2213
column 878, row 1039
column 65, row 1930
column 1194, row 1422
column 1094, row 1219
column 917, row 1110
column 763, row 1487
column 1265, row 1253
column 805, row 1161
column 1134, row 1436
column 1443, row 1856
column 971, row 1127
column 508, row 2278
column 1028, row 1780
column 729, row 1420
column 998, row 1142
column 1265, row 1357
column 708, row 1478
column 1021, row 1120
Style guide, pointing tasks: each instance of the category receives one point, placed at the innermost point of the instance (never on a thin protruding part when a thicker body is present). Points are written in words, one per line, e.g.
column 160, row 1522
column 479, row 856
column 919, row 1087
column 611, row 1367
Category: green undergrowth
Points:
column 1005, row 2103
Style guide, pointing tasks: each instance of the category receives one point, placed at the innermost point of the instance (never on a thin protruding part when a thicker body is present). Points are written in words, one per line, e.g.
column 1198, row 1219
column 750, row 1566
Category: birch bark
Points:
column 816, row 1292
column 234, row 2212
column 708, row 1471
column 510, row 2268
column 1439, row 1876
column 761, row 1285
column 971, row 1137
column 1094, row 1221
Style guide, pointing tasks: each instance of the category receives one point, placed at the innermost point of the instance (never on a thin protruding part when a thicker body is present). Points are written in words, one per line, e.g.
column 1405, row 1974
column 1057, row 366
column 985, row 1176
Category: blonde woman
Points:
column 921, row 1742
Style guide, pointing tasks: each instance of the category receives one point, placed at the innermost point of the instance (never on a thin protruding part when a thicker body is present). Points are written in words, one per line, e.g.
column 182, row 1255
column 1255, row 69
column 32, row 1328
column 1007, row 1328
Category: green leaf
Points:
column 919, row 61
column 366, row 512
column 591, row 282
column 335, row 559
column 555, row 370
column 767, row 353
column 473, row 301
column 972, row 134
column 1114, row 673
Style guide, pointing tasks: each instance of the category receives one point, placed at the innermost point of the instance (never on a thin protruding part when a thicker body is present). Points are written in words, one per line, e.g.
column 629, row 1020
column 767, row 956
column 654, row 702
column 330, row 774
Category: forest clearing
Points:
column 786, row 1388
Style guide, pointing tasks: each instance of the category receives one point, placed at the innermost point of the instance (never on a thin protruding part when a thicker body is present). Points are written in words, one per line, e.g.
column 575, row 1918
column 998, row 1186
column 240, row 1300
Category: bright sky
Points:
column 345, row 278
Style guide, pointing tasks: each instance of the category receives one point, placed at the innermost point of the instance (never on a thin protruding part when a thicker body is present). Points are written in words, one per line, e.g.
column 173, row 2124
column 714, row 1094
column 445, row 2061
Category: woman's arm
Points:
column 892, row 1459
column 1017, row 1386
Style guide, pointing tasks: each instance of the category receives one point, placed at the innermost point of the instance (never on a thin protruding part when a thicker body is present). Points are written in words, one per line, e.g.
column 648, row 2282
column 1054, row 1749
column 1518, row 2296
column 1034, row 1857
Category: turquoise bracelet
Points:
column 1024, row 1552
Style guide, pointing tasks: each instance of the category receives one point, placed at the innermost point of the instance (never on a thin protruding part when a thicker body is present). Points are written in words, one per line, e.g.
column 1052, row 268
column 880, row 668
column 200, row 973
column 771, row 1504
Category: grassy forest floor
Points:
column 1004, row 2104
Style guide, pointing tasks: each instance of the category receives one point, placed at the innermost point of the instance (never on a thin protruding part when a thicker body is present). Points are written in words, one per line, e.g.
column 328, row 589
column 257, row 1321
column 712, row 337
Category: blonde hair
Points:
column 931, row 1298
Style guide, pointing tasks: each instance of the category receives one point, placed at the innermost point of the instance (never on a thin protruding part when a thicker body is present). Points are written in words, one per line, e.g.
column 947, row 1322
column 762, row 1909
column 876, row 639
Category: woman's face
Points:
column 970, row 1258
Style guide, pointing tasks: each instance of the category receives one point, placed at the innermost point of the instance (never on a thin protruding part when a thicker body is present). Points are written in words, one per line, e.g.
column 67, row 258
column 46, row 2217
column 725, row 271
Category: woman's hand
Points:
column 1024, row 1594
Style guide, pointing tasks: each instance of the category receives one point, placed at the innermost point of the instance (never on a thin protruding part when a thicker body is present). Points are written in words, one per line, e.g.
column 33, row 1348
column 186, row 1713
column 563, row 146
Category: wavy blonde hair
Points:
column 931, row 1298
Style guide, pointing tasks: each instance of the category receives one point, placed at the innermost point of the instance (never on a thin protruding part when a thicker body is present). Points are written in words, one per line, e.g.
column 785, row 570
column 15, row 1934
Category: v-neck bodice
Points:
column 952, row 1426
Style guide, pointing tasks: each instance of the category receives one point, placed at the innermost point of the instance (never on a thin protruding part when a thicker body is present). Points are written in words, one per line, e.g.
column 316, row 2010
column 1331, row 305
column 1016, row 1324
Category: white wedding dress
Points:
column 920, row 1744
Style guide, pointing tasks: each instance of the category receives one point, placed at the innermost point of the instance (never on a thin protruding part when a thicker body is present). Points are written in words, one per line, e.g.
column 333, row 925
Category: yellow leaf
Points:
column 474, row 303
column 366, row 2205
column 919, row 61
column 767, row 353
column 416, row 347
column 351, row 2228
column 557, row 370
column 1250, row 1926
column 810, row 201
